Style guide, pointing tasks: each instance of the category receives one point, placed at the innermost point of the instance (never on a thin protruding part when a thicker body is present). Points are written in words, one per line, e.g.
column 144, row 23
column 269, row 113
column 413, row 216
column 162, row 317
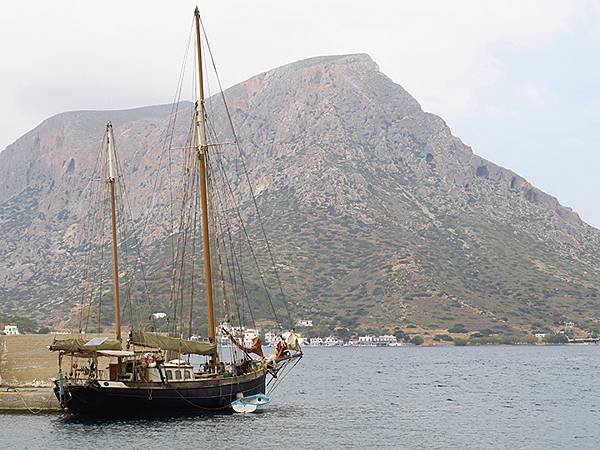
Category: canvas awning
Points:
column 116, row 353
column 156, row 340
column 79, row 345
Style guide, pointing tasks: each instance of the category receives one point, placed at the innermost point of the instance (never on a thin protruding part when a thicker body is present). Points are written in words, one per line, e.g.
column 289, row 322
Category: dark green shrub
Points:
column 559, row 338
column 417, row 340
column 458, row 328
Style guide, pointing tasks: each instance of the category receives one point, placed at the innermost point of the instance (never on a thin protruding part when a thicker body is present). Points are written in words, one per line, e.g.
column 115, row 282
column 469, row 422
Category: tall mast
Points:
column 201, row 151
column 113, row 207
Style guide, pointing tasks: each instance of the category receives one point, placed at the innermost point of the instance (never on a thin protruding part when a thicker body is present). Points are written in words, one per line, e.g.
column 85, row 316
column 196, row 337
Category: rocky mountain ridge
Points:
column 380, row 216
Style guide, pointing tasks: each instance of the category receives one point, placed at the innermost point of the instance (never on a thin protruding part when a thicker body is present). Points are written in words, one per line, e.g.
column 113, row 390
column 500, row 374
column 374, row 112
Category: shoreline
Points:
column 499, row 344
column 28, row 400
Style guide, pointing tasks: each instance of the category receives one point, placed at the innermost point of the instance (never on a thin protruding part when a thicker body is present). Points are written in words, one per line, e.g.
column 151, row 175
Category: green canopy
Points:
column 157, row 340
column 78, row 345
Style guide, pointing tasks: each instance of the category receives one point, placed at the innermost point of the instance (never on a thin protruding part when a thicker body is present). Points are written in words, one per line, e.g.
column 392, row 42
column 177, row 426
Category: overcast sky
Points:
column 519, row 81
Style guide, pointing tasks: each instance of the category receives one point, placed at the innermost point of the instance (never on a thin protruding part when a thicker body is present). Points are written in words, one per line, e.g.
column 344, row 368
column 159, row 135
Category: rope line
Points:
column 242, row 160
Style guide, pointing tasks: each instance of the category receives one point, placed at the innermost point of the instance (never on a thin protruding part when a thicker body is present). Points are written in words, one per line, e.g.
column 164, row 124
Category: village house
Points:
column 249, row 335
column 270, row 338
column 332, row 341
column 11, row 330
column 316, row 341
column 386, row 339
column 365, row 340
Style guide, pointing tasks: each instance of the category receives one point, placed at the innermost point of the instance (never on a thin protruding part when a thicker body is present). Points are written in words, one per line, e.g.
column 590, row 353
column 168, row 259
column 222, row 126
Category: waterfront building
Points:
column 11, row 330
column 332, row 341
column 366, row 340
column 315, row 342
column 386, row 339
column 249, row 335
column 270, row 338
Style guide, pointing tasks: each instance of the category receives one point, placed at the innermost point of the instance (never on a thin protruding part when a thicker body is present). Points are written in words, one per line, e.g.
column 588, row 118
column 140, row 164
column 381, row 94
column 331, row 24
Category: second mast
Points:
column 201, row 150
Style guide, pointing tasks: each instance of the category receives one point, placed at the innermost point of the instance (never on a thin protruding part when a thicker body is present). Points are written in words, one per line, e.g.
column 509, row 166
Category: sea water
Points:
column 403, row 397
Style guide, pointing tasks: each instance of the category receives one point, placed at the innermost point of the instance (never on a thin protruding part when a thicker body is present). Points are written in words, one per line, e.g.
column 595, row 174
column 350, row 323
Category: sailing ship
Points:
column 149, row 371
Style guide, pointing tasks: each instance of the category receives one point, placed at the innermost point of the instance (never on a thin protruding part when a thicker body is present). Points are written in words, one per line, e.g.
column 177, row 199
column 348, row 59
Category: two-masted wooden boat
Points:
column 147, row 372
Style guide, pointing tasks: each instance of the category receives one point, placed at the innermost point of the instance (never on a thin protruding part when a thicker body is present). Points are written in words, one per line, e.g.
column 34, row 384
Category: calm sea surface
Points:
column 456, row 397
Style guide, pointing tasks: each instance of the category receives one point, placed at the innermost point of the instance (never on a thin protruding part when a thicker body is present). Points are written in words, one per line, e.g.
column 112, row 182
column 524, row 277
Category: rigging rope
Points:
column 181, row 242
column 243, row 228
column 279, row 379
column 167, row 143
column 235, row 261
column 86, row 264
column 242, row 161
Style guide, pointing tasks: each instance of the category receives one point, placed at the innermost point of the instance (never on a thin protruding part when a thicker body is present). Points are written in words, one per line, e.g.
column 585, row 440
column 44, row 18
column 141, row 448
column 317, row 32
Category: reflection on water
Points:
column 465, row 397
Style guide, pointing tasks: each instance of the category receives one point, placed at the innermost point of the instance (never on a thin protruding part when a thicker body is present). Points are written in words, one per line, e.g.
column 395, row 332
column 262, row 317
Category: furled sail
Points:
column 156, row 340
column 77, row 345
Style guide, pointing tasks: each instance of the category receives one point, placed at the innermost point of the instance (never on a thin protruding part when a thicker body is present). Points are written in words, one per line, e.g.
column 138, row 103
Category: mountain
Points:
column 378, row 214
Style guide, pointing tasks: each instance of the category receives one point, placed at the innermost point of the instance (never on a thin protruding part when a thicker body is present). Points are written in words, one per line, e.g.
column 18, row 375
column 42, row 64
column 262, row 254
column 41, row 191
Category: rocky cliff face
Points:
column 380, row 215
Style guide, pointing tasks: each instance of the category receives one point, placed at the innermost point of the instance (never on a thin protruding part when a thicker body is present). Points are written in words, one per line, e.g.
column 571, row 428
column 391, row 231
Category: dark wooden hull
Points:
column 194, row 397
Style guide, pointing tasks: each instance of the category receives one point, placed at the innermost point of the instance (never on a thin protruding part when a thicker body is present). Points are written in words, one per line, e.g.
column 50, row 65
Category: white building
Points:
column 249, row 334
column 332, row 341
column 246, row 335
column 386, row 339
column 270, row 338
column 368, row 339
column 315, row 342
column 305, row 323
column 11, row 330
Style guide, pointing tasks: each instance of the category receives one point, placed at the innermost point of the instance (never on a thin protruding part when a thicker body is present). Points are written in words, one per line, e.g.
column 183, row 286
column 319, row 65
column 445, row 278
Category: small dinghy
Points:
column 250, row 403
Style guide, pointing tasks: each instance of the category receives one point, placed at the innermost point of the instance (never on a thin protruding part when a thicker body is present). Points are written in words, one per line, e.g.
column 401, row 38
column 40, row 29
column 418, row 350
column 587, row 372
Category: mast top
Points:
column 199, row 53
column 110, row 151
